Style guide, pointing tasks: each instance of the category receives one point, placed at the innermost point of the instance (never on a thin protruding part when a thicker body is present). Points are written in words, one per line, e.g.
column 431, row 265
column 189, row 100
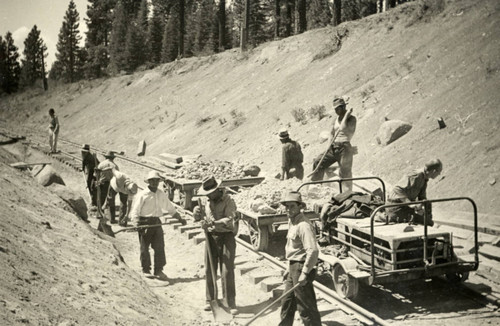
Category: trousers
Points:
column 223, row 248
column 338, row 152
column 152, row 237
column 302, row 298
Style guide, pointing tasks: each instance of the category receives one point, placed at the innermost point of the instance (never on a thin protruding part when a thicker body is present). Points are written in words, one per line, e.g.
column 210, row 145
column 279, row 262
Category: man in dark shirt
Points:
column 413, row 187
column 292, row 157
column 89, row 163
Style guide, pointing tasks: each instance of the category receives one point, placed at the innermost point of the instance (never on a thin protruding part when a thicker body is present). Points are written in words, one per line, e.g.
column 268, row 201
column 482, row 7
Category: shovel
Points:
column 220, row 315
column 137, row 228
column 271, row 304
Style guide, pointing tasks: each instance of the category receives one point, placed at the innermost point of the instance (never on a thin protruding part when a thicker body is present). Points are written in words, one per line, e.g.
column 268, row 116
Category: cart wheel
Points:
column 345, row 285
column 259, row 236
column 457, row 277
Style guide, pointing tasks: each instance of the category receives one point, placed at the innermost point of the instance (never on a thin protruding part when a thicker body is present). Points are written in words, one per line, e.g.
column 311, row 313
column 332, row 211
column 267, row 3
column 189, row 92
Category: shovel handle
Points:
column 271, row 304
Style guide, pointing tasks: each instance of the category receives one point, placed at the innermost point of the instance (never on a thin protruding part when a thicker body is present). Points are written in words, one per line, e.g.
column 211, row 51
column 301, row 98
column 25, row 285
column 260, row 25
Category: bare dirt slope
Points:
column 414, row 63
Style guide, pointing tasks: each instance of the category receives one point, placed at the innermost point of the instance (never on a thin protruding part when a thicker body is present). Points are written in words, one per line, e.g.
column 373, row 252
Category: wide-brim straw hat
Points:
column 283, row 134
column 208, row 185
column 110, row 154
column 292, row 196
column 153, row 175
column 338, row 101
column 85, row 148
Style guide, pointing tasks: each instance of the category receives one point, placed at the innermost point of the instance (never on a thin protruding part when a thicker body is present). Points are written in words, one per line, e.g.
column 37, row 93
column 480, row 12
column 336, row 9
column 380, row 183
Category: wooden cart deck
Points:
column 189, row 187
column 261, row 226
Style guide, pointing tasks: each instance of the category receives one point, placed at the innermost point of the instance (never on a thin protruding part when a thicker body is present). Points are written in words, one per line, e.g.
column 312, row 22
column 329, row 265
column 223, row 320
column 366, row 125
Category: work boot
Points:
column 207, row 307
column 233, row 311
column 147, row 273
column 323, row 241
column 161, row 276
column 113, row 221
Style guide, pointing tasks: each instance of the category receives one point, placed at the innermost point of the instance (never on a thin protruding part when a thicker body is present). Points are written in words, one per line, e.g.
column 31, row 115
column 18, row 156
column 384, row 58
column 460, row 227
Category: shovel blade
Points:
column 105, row 228
column 220, row 314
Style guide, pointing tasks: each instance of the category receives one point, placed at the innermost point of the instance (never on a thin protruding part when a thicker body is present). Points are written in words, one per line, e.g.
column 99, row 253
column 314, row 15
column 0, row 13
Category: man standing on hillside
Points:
column 53, row 130
column 148, row 206
column 88, row 167
column 126, row 189
column 302, row 254
column 106, row 167
column 292, row 157
column 340, row 149
column 410, row 188
column 221, row 225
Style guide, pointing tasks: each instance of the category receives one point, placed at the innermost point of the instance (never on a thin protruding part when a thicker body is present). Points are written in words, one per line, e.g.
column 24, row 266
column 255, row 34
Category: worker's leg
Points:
column 228, row 284
column 306, row 301
column 329, row 159
column 289, row 303
column 345, row 164
column 145, row 242
column 51, row 140
column 299, row 171
column 399, row 214
column 123, row 209
column 56, row 135
column 158, row 245
column 112, row 204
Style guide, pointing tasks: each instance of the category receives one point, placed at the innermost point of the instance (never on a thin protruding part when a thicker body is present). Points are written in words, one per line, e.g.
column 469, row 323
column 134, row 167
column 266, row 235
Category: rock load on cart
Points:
column 265, row 197
column 197, row 170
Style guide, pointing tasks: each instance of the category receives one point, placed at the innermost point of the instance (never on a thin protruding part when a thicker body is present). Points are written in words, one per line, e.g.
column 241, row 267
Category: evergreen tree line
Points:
column 126, row 35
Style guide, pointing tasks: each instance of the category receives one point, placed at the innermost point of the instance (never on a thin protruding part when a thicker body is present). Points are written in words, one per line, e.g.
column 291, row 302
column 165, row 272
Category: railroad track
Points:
column 265, row 270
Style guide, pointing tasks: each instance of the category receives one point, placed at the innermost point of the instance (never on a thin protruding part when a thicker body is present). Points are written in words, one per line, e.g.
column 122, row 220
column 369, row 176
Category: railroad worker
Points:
column 105, row 175
column 292, row 157
column 412, row 187
column 302, row 252
column 53, row 130
column 340, row 149
column 126, row 189
column 89, row 163
column 148, row 206
column 221, row 224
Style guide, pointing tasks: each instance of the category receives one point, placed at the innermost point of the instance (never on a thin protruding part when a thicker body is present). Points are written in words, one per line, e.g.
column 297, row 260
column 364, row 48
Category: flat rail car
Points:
column 363, row 250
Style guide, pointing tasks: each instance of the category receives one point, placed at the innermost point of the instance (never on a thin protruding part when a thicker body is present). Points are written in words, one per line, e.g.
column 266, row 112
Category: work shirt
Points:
column 223, row 210
column 89, row 163
column 151, row 204
column 120, row 182
column 345, row 134
column 292, row 154
column 301, row 242
column 411, row 187
column 54, row 124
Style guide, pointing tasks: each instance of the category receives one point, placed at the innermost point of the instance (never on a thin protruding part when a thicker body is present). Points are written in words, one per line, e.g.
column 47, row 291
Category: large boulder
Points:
column 47, row 175
column 252, row 170
column 76, row 204
column 391, row 130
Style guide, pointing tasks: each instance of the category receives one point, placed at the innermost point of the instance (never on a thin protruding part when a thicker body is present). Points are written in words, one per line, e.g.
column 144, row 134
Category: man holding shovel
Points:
column 148, row 205
column 302, row 254
column 340, row 149
column 219, row 221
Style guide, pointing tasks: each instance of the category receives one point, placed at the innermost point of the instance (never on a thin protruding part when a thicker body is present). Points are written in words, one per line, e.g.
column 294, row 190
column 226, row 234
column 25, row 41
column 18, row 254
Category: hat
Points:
column 109, row 154
column 85, row 148
column 153, row 175
column 283, row 134
column 105, row 166
column 208, row 185
column 292, row 196
column 338, row 101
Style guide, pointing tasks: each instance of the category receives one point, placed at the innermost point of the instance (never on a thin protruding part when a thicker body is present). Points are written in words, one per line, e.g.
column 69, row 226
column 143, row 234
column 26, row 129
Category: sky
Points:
column 19, row 17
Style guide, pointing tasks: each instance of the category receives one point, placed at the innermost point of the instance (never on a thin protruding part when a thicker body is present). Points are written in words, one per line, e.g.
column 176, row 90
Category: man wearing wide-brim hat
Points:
column 148, row 206
column 339, row 149
column 107, row 194
column 218, row 217
column 301, row 252
column 89, row 163
column 291, row 158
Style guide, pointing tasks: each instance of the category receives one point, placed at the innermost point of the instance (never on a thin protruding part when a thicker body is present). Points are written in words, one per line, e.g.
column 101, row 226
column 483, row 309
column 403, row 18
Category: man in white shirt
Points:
column 148, row 206
column 126, row 189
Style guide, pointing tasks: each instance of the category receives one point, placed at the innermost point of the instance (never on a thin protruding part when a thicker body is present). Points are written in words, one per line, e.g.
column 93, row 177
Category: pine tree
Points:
column 318, row 14
column 67, row 45
column 156, row 28
column 136, row 42
column 10, row 70
column 170, row 42
column 118, row 59
column 201, row 27
column 31, row 65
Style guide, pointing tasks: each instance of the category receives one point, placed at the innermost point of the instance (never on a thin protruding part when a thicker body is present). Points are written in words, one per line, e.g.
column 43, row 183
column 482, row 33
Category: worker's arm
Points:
column 308, row 239
column 226, row 223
